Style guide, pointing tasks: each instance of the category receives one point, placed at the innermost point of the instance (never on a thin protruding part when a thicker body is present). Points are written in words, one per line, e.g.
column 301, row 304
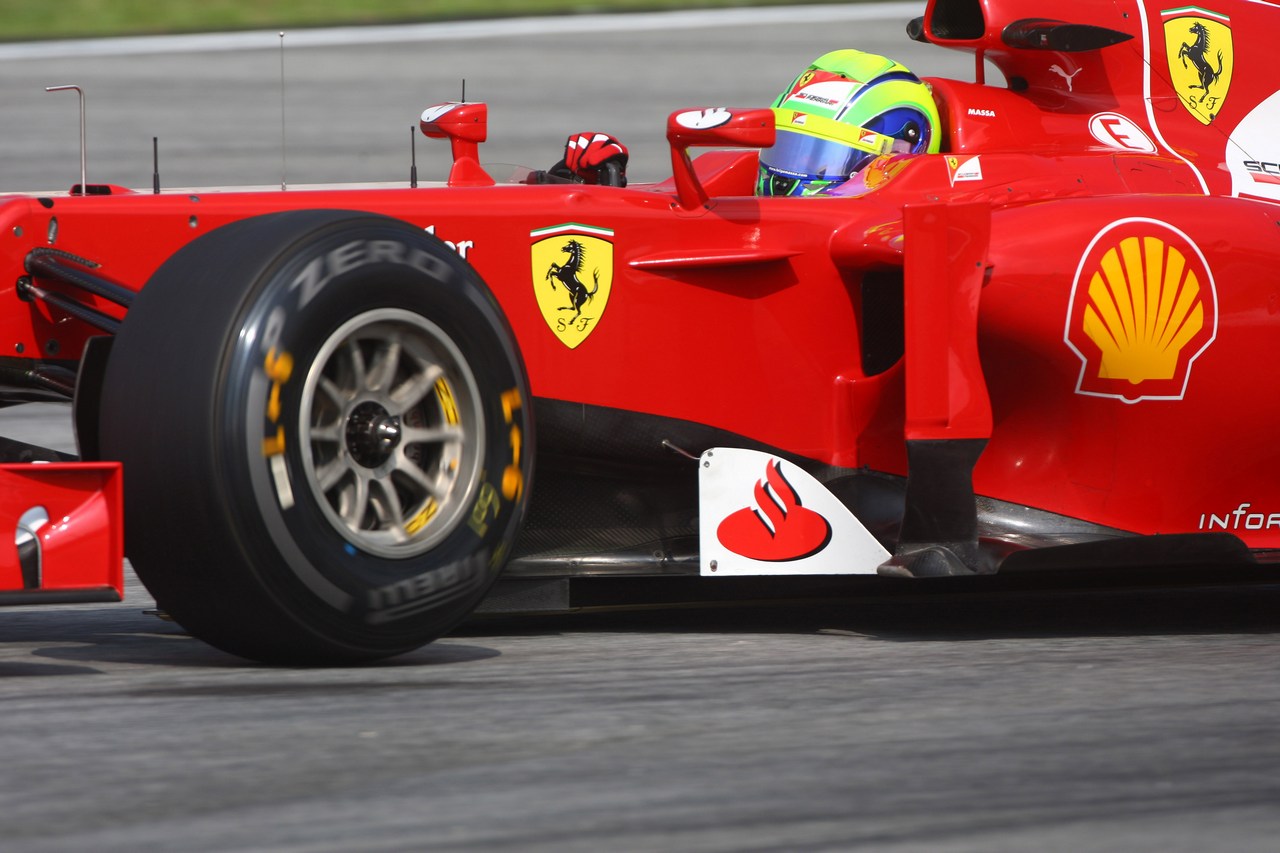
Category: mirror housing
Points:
column 712, row 127
column 465, row 124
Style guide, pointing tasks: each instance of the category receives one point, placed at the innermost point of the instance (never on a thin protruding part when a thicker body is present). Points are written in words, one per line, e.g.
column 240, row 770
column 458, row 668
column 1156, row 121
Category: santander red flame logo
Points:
column 778, row 528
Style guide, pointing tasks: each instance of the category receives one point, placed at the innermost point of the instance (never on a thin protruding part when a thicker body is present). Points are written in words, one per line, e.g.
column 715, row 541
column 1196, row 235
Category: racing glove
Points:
column 596, row 158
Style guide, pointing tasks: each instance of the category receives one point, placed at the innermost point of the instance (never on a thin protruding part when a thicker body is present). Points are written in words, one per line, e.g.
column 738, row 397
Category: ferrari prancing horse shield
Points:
column 1198, row 47
column 572, row 276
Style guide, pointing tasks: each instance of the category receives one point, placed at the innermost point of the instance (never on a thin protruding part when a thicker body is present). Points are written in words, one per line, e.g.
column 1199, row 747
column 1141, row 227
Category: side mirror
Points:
column 712, row 127
column 465, row 124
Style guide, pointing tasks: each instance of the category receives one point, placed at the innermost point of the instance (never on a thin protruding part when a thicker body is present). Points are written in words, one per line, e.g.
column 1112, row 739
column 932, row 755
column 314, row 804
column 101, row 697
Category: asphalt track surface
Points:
column 1016, row 717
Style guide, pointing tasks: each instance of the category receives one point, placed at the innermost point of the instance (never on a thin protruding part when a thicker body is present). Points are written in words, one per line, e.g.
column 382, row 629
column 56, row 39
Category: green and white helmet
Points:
column 842, row 112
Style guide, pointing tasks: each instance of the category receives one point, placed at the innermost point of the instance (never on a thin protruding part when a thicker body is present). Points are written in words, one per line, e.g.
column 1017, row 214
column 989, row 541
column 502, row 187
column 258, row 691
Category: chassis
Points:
column 1050, row 345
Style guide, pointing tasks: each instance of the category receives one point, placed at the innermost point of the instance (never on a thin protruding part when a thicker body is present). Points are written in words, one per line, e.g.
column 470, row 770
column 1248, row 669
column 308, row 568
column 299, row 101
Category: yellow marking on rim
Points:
column 274, row 445
column 278, row 369
column 445, row 395
column 423, row 517
column 510, row 402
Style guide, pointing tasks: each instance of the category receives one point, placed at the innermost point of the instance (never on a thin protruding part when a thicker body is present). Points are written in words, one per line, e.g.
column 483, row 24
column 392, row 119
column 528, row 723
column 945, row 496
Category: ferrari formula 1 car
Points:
column 318, row 412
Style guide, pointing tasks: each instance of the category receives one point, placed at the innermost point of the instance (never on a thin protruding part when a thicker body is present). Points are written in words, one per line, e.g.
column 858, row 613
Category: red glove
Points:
column 586, row 153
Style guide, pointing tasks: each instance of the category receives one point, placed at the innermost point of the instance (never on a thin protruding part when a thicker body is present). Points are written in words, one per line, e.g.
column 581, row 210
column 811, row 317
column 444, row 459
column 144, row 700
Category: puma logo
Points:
column 1064, row 75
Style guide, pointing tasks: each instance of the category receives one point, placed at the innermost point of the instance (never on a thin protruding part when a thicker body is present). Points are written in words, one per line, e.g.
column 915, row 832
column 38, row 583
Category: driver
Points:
column 843, row 111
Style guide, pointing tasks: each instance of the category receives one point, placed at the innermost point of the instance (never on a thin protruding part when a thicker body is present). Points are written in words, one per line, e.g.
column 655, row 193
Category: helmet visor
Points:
column 815, row 148
column 813, row 158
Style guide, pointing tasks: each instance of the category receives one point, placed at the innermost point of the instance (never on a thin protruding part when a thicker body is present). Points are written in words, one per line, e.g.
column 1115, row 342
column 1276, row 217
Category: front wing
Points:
column 67, row 528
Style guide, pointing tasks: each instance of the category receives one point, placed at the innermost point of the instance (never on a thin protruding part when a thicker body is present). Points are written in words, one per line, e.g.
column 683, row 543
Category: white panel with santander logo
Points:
column 761, row 515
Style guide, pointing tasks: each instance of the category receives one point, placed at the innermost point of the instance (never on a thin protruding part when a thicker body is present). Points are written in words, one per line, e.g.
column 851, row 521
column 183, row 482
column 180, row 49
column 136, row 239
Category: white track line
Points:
column 458, row 30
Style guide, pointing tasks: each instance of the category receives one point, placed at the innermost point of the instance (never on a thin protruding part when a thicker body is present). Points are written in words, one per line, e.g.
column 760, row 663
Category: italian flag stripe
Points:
column 576, row 227
column 1184, row 11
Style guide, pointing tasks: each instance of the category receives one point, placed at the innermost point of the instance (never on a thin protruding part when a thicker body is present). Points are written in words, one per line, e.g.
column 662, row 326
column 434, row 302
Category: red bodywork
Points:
column 1087, row 270
column 75, row 551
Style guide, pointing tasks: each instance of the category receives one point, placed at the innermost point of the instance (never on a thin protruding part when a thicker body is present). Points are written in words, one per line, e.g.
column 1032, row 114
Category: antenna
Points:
column 284, row 162
column 155, row 165
column 464, row 90
column 84, row 184
column 413, row 158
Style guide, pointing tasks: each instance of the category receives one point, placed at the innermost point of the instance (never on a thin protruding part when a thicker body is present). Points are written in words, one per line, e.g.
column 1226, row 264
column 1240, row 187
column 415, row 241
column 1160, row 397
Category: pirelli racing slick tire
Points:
column 324, row 423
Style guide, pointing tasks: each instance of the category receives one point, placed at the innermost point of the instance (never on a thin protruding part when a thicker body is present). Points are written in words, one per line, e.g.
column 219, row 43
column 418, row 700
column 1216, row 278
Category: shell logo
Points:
column 1143, row 308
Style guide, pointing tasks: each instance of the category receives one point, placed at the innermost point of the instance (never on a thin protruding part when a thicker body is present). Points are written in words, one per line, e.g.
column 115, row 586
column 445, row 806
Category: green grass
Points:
column 22, row 20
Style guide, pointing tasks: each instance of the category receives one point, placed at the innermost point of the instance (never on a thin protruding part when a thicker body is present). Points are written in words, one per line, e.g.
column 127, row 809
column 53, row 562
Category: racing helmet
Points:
column 842, row 112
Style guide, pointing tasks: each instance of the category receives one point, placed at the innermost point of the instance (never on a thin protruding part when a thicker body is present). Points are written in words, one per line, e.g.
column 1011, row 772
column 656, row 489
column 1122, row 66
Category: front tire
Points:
column 324, row 425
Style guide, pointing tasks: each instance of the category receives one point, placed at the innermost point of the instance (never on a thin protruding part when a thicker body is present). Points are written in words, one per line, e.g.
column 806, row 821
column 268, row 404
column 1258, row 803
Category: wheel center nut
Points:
column 372, row 434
